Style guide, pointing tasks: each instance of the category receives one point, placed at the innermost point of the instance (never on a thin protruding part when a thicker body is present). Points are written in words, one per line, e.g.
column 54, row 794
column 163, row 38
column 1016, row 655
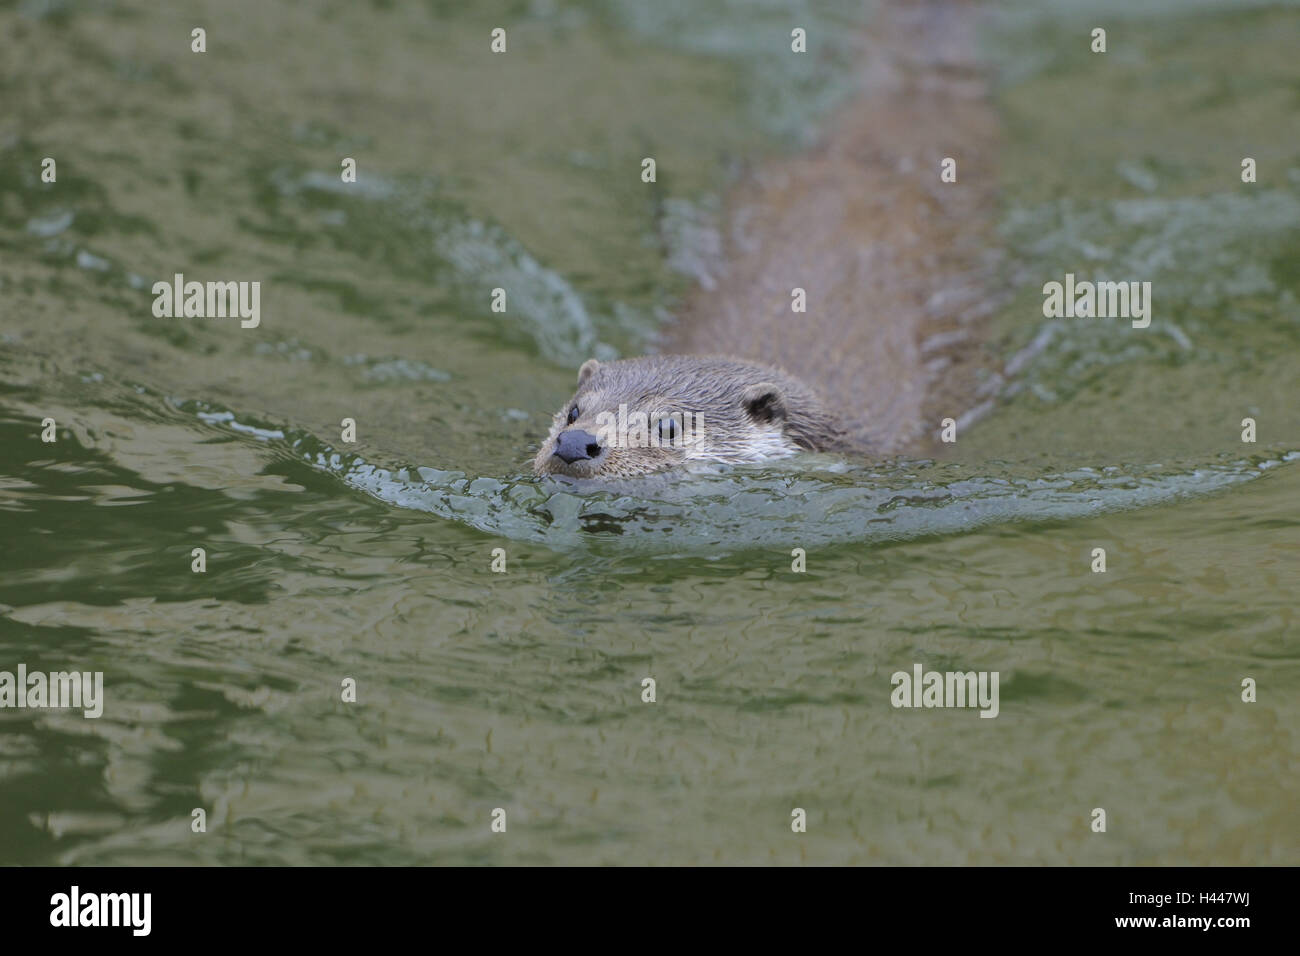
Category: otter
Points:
column 737, row 412
column 894, row 260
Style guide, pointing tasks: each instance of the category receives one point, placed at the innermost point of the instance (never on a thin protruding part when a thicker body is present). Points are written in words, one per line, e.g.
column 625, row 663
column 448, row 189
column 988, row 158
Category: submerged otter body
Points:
column 895, row 265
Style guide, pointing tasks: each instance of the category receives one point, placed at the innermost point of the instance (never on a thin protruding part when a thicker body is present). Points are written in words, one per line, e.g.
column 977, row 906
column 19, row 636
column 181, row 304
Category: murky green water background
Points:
column 522, row 690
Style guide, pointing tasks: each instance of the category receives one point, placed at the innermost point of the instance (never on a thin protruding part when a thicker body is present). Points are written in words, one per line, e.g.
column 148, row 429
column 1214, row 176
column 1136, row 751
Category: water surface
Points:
column 522, row 690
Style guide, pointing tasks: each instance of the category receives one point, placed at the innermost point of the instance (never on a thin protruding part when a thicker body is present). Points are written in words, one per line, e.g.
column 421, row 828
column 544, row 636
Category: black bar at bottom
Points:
column 641, row 906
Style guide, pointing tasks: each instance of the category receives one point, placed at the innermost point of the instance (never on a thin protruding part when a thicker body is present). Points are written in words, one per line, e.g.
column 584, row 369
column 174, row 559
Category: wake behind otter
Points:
column 894, row 262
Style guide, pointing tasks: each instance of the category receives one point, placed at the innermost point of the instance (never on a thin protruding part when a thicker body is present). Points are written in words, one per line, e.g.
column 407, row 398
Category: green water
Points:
column 372, row 561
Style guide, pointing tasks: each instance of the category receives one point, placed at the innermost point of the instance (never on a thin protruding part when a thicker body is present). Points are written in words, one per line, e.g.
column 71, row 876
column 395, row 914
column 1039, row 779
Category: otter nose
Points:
column 576, row 445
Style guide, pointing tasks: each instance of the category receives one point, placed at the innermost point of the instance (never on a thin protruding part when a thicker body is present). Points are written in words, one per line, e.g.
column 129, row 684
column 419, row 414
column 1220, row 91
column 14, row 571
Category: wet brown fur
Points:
column 896, row 264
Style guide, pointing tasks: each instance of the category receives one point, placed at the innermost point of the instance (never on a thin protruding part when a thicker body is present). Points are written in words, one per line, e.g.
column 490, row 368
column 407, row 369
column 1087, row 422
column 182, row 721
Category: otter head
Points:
column 637, row 416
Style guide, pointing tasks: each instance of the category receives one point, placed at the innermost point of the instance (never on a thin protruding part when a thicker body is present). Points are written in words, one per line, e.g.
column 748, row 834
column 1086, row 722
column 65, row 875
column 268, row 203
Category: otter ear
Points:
column 764, row 403
column 588, row 369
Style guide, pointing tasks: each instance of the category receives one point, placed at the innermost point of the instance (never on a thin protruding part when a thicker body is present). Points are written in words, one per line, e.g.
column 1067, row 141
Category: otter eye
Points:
column 667, row 429
column 573, row 414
